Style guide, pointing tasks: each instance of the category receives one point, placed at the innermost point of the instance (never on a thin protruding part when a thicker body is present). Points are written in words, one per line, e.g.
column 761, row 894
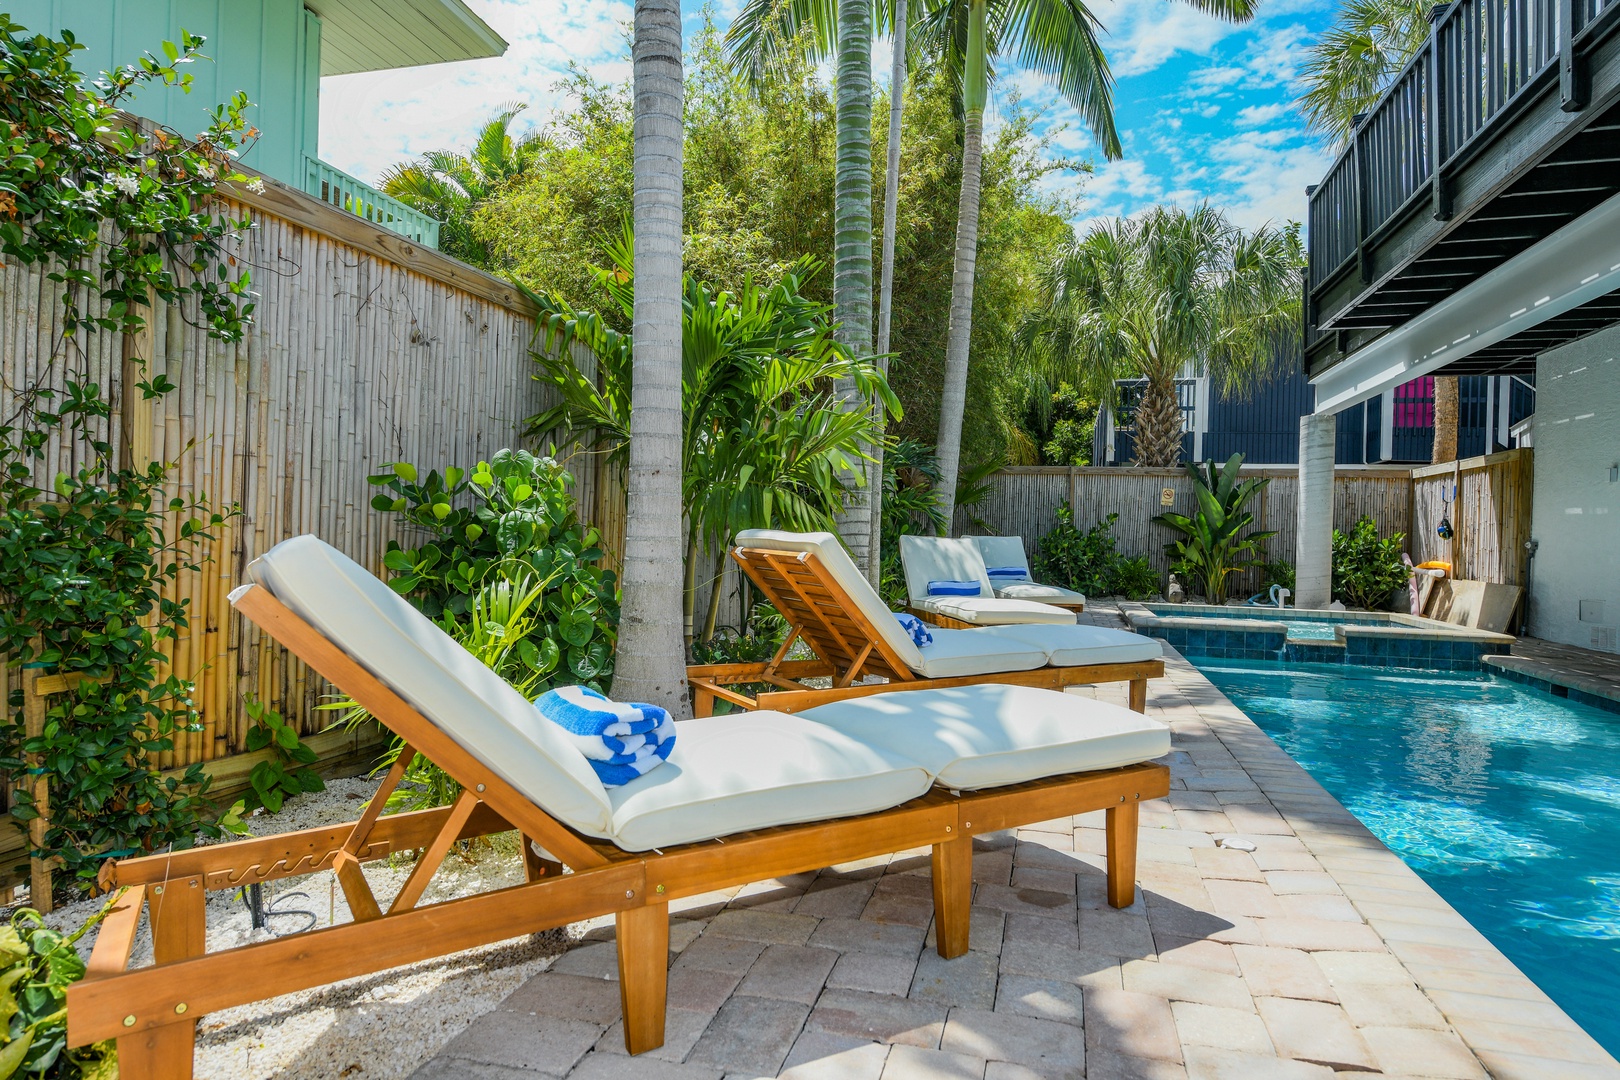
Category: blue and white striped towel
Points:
column 621, row 740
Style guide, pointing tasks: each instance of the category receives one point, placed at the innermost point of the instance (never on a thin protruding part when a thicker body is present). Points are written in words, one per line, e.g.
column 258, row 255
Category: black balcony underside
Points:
column 1388, row 240
column 1577, row 177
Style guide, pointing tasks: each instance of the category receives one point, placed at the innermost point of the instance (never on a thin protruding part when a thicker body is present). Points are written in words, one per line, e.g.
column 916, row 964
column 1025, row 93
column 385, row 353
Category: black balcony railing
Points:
column 1483, row 60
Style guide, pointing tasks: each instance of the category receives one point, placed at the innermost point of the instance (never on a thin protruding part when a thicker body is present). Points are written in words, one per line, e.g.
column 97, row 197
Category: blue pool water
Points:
column 1504, row 798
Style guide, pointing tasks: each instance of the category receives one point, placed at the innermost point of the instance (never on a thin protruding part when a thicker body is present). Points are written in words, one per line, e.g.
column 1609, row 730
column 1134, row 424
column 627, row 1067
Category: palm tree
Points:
column 1368, row 43
column 759, row 34
column 448, row 185
column 651, row 664
column 1056, row 39
column 1170, row 292
column 891, row 209
column 1444, row 447
column 765, row 441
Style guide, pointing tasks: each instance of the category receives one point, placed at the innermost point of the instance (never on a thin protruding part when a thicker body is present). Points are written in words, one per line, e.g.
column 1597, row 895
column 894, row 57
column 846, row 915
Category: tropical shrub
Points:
column 1214, row 544
column 509, row 572
column 767, row 441
column 1280, row 572
column 1088, row 560
column 37, row 965
column 488, row 539
column 286, row 772
column 116, row 217
column 1366, row 569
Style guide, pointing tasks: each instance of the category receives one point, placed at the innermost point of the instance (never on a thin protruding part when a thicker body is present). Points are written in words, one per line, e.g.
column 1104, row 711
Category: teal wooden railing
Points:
column 337, row 188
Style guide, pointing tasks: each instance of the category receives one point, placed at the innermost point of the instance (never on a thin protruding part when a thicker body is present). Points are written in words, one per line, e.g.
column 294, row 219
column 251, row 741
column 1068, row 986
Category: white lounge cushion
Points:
column 839, row 567
column 938, row 558
column 1044, row 594
column 989, row 611
column 986, row 736
column 1077, row 646
column 981, row 651
column 754, row 770
column 381, row 631
column 1002, row 551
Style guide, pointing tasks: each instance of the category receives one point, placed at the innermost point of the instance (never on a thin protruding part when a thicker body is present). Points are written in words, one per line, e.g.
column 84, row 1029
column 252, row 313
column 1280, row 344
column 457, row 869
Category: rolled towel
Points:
column 1007, row 573
column 918, row 629
column 953, row 588
column 620, row 740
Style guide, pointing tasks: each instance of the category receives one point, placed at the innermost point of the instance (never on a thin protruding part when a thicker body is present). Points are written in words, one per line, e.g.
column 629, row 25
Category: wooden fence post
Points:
column 34, row 782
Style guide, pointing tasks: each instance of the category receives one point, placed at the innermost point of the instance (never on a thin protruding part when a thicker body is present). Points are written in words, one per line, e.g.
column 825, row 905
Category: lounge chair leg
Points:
column 1139, row 695
column 953, row 895
column 1122, row 821
column 178, row 915
column 702, row 703
column 160, row 1053
column 535, row 866
column 643, row 935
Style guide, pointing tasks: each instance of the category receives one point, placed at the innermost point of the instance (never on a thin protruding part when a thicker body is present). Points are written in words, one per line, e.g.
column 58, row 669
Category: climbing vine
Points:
column 119, row 217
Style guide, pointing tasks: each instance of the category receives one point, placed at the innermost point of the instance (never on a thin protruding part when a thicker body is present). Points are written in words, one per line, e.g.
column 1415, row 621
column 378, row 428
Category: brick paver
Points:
column 1317, row 952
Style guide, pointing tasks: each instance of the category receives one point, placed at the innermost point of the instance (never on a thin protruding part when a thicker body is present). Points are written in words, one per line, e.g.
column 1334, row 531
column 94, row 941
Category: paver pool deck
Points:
column 1319, row 953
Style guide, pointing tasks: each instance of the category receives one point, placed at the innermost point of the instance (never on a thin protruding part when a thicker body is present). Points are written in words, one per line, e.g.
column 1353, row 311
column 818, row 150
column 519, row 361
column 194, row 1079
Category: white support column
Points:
column 1313, row 555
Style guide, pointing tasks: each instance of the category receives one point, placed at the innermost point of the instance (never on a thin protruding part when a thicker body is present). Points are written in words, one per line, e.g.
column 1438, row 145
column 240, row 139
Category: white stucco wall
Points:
column 1576, row 508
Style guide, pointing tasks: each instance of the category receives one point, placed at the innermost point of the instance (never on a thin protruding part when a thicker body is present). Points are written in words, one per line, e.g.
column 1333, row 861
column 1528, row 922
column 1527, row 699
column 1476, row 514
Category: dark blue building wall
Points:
column 1262, row 426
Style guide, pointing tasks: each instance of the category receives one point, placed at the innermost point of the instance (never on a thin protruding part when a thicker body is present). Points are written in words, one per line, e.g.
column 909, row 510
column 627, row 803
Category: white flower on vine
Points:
column 206, row 171
column 129, row 185
column 256, row 185
column 549, row 462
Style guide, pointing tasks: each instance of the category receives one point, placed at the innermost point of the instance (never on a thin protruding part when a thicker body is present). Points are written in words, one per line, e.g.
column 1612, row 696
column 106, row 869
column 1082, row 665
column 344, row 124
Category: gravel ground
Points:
column 375, row 1026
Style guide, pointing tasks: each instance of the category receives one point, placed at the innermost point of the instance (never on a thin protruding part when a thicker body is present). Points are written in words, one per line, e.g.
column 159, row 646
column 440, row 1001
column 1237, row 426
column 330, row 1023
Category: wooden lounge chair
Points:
column 931, row 559
column 515, row 776
column 1007, row 552
column 832, row 608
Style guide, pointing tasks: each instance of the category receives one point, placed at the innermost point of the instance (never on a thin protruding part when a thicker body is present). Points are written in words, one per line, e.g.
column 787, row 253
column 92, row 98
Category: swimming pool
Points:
column 1504, row 798
column 1365, row 638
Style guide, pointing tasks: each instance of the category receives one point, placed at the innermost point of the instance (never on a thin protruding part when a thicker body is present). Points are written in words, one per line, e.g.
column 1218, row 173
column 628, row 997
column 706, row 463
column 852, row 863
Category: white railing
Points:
column 337, row 188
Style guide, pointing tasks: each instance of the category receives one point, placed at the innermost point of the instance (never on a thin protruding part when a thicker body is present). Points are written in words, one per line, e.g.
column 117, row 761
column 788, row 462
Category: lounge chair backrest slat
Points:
column 379, row 630
column 814, row 584
column 939, row 558
column 1002, row 551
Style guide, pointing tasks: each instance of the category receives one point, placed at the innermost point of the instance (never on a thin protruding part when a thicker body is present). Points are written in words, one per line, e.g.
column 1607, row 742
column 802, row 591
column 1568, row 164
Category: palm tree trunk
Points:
column 891, row 209
column 852, row 236
column 651, row 663
column 1445, row 419
column 1158, row 425
column 953, row 395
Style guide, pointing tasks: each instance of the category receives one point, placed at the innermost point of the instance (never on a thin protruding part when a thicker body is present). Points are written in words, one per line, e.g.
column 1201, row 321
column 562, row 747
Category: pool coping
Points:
column 1543, row 676
column 1470, row 980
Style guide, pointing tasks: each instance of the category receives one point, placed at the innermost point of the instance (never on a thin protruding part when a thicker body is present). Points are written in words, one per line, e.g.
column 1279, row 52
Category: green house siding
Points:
column 268, row 48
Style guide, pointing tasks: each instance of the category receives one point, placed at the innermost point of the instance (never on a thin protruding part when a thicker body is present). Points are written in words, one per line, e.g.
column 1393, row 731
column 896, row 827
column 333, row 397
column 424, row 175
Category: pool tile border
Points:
column 1466, row 977
column 1565, row 686
column 1395, row 641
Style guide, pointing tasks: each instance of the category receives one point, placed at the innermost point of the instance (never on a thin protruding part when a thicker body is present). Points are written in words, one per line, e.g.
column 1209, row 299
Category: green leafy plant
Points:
column 1215, row 544
column 510, row 520
column 1366, row 569
column 1088, row 561
column 508, row 570
column 287, row 772
column 1135, row 579
column 767, row 441
column 1280, row 572
column 37, row 965
column 116, row 217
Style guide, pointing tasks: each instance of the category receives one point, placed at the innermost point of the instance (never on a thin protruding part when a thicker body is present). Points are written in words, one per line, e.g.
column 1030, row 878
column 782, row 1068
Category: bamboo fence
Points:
column 365, row 350
column 1490, row 512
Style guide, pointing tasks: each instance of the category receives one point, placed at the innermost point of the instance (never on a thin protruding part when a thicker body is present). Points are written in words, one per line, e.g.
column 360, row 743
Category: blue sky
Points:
column 1204, row 108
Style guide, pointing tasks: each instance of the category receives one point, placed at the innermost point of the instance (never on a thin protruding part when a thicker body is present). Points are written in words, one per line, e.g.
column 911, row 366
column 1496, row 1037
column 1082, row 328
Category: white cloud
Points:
column 1141, row 35
column 372, row 120
column 1258, row 115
